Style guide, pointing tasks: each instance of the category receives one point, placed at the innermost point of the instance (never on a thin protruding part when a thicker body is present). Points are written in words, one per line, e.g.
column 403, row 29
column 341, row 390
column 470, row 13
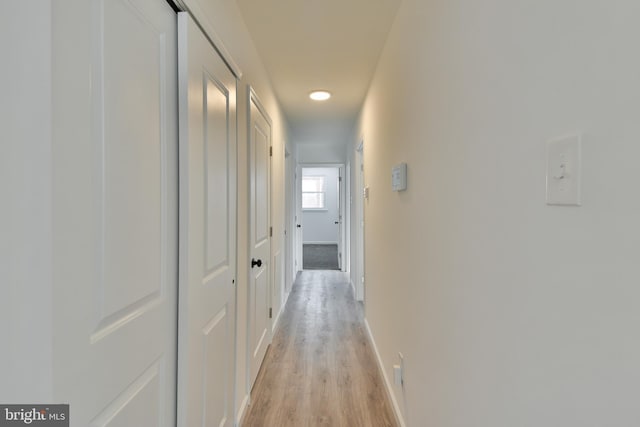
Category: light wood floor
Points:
column 320, row 369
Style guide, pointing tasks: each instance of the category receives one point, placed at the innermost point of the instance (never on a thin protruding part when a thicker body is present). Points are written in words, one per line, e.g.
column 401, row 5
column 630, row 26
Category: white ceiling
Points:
column 319, row 44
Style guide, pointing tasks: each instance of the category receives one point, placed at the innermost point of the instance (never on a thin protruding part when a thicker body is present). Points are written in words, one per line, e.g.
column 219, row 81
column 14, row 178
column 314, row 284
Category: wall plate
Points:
column 399, row 177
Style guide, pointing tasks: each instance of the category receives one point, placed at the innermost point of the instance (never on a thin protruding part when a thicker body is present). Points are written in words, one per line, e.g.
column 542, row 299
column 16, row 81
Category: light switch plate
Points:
column 399, row 177
column 564, row 171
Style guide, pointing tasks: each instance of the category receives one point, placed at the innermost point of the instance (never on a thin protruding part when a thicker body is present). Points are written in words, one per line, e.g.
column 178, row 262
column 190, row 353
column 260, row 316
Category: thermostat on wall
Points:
column 399, row 177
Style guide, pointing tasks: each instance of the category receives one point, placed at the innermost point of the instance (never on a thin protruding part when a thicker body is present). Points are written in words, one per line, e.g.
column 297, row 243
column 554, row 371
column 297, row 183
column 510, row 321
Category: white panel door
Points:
column 207, row 91
column 115, row 212
column 299, row 233
column 340, row 219
column 259, row 241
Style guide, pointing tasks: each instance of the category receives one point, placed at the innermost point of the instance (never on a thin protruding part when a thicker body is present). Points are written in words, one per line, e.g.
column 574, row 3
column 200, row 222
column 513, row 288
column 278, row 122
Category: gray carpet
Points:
column 320, row 257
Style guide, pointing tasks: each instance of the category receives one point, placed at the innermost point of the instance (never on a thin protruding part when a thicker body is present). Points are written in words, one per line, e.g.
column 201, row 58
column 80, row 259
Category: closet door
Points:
column 115, row 211
column 207, row 231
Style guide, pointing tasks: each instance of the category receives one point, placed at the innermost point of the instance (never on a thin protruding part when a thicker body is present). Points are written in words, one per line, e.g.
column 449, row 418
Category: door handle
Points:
column 336, row 222
column 298, row 225
column 254, row 263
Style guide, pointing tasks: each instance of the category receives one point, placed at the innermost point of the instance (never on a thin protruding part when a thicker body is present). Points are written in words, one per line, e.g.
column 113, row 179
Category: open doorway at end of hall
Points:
column 321, row 212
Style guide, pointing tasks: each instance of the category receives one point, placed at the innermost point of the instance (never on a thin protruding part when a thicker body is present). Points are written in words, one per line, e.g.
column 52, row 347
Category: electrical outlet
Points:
column 397, row 375
column 398, row 371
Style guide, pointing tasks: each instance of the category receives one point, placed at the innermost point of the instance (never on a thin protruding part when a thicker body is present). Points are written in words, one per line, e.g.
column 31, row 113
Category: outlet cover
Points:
column 397, row 375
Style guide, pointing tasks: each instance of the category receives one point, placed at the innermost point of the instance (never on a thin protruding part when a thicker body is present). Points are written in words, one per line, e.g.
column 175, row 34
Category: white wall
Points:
column 318, row 226
column 508, row 312
column 25, row 217
column 321, row 153
column 322, row 142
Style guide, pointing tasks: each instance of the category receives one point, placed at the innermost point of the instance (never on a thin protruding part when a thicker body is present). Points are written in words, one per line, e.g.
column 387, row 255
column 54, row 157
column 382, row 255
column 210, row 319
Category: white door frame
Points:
column 359, row 221
column 348, row 197
column 289, row 221
column 343, row 218
column 297, row 206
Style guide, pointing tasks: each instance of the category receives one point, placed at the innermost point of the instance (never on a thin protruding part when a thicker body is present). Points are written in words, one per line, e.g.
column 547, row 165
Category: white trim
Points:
column 319, row 243
column 242, row 411
column 276, row 320
column 353, row 289
column 359, row 216
column 347, row 219
column 289, row 225
column 298, row 220
column 252, row 96
column 320, row 165
column 200, row 17
column 389, row 389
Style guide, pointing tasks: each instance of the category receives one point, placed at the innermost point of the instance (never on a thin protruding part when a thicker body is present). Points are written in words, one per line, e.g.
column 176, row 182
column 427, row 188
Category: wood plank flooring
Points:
column 320, row 369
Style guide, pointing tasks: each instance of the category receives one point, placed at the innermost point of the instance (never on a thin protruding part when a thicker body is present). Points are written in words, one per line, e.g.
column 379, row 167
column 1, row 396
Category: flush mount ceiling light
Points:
column 320, row 95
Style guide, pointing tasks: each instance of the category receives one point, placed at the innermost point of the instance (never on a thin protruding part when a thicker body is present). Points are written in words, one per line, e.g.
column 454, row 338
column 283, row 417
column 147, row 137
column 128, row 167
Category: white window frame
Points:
column 322, row 191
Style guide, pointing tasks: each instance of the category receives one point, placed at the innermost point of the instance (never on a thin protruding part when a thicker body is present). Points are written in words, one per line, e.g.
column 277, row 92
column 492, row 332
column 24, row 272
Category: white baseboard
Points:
column 277, row 318
column 319, row 243
column 242, row 411
column 390, row 394
column 353, row 289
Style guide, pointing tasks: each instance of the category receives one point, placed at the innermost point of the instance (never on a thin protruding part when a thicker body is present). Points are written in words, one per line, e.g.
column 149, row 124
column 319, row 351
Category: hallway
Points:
column 320, row 368
column 152, row 155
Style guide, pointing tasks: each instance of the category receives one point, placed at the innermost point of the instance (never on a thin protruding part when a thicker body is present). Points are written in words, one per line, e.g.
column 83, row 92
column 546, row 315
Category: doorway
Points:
column 321, row 204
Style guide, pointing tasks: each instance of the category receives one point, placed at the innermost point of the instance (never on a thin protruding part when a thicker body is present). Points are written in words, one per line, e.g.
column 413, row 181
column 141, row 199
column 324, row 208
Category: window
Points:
column 313, row 192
